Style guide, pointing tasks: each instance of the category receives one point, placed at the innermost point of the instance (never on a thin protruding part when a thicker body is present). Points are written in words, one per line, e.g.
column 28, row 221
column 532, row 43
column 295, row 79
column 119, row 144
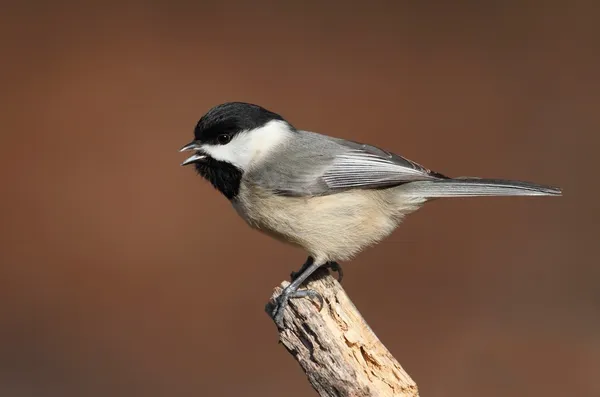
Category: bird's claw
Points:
column 335, row 267
column 282, row 302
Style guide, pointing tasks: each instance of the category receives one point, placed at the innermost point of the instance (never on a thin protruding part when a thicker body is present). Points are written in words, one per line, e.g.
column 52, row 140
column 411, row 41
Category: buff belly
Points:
column 330, row 228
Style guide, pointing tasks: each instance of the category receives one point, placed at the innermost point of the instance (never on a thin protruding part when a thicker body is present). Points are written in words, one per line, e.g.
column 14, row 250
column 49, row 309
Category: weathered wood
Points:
column 336, row 348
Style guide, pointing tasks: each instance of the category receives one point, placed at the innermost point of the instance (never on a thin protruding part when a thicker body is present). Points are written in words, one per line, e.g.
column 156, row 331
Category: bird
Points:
column 330, row 196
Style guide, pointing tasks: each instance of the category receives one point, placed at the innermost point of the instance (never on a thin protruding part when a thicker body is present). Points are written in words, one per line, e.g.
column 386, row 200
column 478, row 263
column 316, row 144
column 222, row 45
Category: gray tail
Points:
column 473, row 187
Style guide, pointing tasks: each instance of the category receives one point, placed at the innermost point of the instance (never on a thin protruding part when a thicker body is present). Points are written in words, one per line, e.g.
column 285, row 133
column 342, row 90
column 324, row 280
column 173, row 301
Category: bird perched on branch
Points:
column 330, row 196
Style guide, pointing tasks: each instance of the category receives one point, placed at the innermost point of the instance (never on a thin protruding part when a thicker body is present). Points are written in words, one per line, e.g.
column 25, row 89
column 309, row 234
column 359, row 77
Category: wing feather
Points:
column 369, row 167
column 330, row 165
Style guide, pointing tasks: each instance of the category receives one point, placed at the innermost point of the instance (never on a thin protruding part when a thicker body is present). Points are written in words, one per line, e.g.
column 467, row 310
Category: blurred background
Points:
column 124, row 274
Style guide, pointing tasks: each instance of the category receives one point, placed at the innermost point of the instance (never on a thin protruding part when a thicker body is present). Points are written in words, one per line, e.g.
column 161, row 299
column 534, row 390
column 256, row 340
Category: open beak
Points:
column 196, row 156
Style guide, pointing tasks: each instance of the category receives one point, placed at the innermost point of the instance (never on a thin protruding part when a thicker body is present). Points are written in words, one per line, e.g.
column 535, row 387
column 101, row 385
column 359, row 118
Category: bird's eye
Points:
column 223, row 139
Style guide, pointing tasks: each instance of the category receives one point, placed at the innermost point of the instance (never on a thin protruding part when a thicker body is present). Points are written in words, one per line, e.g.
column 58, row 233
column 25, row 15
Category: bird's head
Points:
column 230, row 138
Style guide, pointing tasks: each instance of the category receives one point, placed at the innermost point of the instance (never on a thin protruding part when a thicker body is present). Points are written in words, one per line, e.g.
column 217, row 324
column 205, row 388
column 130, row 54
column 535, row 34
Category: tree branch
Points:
column 336, row 348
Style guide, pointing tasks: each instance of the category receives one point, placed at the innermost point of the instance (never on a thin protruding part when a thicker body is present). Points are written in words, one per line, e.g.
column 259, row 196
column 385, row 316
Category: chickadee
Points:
column 330, row 196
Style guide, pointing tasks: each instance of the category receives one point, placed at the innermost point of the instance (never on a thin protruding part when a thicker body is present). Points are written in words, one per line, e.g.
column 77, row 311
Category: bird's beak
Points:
column 193, row 159
column 198, row 156
column 190, row 146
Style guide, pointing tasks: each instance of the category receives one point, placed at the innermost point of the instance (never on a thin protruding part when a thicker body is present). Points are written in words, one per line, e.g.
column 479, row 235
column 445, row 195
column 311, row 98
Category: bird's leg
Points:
column 333, row 266
column 309, row 261
column 291, row 291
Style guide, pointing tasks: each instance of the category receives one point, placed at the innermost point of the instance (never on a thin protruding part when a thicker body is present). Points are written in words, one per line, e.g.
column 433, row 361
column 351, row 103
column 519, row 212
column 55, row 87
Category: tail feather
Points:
column 473, row 187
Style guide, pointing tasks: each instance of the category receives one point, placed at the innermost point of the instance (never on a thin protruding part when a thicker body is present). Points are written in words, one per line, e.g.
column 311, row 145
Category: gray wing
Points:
column 368, row 167
column 321, row 165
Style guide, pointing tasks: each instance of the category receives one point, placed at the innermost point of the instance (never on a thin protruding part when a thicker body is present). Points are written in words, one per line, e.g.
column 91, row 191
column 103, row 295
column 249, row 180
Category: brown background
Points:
column 123, row 274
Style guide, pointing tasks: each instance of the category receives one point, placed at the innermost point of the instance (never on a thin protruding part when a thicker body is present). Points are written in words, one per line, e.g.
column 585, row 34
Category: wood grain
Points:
column 336, row 348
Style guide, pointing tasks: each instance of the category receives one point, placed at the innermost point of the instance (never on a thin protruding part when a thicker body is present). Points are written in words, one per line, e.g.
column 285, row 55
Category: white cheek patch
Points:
column 249, row 147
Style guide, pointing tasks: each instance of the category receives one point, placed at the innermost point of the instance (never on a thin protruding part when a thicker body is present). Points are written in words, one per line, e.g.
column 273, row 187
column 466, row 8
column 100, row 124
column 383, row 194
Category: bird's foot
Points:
column 333, row 266
column 336, row 267
column 288, row 293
